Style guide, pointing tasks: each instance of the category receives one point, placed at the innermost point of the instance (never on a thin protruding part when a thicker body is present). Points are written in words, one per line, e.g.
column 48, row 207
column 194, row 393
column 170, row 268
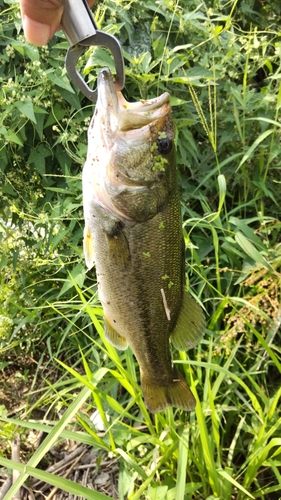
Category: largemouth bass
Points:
column 133, row 234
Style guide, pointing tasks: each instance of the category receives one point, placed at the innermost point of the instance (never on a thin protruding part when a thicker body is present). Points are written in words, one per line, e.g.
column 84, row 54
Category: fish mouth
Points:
column 118, row 115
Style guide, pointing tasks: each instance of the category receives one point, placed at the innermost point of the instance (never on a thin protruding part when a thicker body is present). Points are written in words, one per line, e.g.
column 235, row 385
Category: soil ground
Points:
column 79, row 463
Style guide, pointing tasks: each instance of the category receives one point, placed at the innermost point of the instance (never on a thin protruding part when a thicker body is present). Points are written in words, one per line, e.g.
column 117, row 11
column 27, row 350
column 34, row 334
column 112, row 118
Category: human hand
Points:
column 41, row 19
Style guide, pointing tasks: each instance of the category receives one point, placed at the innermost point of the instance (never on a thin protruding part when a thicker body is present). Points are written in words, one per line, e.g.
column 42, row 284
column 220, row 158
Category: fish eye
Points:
column 164, row 145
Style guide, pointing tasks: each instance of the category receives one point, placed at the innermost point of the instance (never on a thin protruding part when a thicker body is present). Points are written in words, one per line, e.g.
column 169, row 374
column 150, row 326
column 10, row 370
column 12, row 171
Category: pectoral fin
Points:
column 190, row 326
column 118, row 249
column 88, row 248
column 113, row 337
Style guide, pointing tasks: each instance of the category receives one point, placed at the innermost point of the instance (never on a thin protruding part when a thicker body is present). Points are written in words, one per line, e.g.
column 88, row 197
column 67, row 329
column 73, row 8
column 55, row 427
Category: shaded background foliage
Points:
column 220, row 61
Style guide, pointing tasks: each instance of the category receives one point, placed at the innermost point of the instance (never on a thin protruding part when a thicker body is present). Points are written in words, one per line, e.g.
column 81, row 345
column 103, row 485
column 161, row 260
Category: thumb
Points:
column 41, row 19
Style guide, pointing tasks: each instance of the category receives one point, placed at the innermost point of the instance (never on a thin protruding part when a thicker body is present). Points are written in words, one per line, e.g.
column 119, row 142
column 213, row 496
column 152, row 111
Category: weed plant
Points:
column 221, row 64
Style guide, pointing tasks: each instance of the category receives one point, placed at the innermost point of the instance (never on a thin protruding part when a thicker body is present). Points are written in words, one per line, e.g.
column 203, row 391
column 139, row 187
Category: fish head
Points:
column 130, row 146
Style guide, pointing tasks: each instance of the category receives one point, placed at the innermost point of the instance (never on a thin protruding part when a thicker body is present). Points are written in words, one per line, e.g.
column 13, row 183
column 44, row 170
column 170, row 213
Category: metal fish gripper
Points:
column 82, row 32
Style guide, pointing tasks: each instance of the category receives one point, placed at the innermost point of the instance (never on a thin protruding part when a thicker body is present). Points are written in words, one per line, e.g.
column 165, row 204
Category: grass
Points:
column 227, row 136
column 208, row 460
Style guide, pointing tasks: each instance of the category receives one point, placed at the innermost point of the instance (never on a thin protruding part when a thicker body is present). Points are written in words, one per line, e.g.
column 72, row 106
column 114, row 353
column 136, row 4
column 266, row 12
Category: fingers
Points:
column 41, row 19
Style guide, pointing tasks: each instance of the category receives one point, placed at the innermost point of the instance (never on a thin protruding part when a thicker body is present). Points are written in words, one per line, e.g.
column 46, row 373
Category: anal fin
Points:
column 190, row 326
column 114, row 337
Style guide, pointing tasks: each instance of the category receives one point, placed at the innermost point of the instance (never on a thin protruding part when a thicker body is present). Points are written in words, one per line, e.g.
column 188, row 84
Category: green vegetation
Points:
column 220, row 61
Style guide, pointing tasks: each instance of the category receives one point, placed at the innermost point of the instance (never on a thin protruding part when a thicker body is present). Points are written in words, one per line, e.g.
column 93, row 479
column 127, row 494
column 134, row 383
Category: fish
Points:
column 133, row 236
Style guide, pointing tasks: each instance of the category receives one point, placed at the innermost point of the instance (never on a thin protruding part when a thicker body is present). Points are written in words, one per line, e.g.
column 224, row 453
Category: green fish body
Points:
column 133, row 234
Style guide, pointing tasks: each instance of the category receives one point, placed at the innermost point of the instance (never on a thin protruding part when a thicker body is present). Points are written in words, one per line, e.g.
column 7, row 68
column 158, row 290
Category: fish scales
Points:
column 133, row 233
column 136, row 299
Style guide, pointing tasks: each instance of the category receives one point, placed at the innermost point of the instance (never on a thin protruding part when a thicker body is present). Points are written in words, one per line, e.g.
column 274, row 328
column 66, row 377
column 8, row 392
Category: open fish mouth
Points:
column 118, row 115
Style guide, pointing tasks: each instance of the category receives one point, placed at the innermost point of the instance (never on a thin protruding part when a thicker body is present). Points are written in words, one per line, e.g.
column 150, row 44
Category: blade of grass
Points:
column 255, row 404
column 222, row 191
column 166, row 457
column 50, row 439
column 257, row 458
column 262, row 341
column 77, row 436
column 206, row 444
column 182, row 464
column 57, row 481
column 226, row 476
column 256, row 143
column 251, row 250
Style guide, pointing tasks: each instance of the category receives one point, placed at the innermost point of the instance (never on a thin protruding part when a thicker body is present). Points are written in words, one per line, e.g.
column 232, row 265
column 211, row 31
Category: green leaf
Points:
column 250, row 250
column 176, row 101
column 37, row 157
column 182, row 464
column 131, row 463
column 46, row 445
column 257, row 142
column 78, row 436
column 8, row 188
column 76, row 276
column 206, row 443
column 100, row 57
column 262, row 186
column 26, row 108
column 222, row 191
column 59, row 79
column 248, row 231
column 32, row 52
column 226, row 476
column 71, row 98
column 157, row 493
column 10, row 136
column 56, row 115
column 57, row 481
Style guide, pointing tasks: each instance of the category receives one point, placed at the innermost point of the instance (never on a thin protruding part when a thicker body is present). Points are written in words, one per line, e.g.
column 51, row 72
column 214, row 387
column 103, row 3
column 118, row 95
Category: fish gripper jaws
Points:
column 82, row 32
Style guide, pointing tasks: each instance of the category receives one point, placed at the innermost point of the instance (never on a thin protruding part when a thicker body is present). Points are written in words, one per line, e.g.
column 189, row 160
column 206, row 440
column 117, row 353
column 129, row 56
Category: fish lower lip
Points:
column 107, row 94
column 104, row 75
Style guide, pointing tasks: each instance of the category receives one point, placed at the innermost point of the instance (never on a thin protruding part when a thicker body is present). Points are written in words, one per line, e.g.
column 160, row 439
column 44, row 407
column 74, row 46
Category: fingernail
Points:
column 36, row 33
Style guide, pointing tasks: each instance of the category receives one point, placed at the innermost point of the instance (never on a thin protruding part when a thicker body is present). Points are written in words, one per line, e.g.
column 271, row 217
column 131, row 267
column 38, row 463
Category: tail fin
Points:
column 176, row 393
